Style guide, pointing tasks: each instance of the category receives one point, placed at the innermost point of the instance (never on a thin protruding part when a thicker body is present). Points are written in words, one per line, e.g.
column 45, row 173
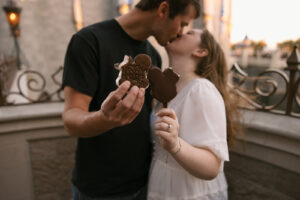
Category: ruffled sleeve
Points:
column 203, row 119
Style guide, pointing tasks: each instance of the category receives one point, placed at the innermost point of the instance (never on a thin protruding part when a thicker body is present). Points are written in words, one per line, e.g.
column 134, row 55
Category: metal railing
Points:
column 250, row 88
column 253, row 89
column 8, row 70
column 27, row 82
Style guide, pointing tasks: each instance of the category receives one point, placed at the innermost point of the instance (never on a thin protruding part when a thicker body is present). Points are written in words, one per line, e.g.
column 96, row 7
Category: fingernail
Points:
column 127, row 83
column 135, row 88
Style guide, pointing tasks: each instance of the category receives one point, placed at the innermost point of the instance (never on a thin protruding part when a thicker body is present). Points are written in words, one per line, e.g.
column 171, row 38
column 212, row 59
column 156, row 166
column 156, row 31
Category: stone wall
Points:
column 52, row 161
column 46, row 28
column 36, row 154
column 251, row 179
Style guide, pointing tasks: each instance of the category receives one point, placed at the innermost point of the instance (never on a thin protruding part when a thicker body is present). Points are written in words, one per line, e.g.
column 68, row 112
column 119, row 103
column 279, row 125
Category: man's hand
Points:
column 122, row 106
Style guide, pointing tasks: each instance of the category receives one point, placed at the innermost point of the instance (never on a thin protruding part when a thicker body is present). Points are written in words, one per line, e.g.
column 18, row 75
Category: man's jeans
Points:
column 139, row 195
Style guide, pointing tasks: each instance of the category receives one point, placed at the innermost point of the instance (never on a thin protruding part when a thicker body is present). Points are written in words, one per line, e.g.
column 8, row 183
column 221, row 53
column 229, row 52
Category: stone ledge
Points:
column 282, row 125
column 16, row 119
column 271, row 138
column 276, row 157
column 30, row 111
column 27, row 125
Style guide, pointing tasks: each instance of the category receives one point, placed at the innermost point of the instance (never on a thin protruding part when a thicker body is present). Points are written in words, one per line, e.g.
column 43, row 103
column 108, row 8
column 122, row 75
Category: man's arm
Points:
column 116, row 110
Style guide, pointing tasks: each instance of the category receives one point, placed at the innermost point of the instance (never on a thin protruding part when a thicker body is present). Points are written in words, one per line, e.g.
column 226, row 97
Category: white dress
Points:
column 201, row 114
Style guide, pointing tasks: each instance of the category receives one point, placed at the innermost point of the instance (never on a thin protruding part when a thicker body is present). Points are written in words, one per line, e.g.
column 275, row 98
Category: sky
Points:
column 269, row 20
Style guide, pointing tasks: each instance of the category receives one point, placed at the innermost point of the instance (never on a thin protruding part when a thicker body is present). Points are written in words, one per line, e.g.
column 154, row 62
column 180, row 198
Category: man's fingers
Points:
column 130, row 98
column 137, row 106
column 123, row 110
column 126, row 104
column 114, row 97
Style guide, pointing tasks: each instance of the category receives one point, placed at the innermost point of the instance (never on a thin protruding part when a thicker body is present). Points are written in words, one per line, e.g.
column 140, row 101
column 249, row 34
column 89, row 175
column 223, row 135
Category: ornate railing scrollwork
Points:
column 35, row 83
column 274, row 84
column 265, row 85
column 31, row 87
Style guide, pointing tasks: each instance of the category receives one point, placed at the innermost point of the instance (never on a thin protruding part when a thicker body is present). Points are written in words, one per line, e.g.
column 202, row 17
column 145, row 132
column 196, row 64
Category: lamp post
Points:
column 12, row 12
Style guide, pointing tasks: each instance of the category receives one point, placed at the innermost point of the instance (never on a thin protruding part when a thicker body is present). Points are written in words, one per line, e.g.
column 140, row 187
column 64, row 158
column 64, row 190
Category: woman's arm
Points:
column 199, row 162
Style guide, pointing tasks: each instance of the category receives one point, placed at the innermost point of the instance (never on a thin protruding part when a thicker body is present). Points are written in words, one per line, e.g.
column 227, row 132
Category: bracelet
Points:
column 178, row 150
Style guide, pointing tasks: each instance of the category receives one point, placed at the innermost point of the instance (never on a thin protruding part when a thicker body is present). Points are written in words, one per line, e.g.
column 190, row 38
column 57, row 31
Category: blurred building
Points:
column 46, row 26
column 217, row 19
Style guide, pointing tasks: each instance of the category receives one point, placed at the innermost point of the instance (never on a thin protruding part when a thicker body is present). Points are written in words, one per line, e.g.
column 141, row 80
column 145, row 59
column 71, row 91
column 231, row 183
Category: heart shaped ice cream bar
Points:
column 163, row 84
column 134, row 71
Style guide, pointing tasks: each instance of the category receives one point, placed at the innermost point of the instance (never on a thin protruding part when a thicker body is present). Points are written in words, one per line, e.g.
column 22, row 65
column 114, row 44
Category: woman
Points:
column 191, row 136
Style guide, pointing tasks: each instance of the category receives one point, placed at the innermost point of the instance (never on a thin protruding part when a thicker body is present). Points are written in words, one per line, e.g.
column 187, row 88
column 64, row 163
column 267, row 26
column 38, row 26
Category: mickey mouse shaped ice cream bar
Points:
column 134, row 71
column 163, row 84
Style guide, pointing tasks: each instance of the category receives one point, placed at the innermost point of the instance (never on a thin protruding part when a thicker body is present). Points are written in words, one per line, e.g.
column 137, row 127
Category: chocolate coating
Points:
column 163, row 84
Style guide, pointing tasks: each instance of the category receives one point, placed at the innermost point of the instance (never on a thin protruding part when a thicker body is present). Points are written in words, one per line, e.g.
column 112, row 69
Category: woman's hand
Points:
column 167, row 128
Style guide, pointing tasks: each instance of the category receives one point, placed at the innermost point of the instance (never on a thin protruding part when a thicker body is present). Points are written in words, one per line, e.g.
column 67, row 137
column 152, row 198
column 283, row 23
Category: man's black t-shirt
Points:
column 115, row 162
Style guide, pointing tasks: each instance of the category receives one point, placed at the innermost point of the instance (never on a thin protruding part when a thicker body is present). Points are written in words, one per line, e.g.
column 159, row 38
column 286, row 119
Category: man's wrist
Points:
column 104, row 121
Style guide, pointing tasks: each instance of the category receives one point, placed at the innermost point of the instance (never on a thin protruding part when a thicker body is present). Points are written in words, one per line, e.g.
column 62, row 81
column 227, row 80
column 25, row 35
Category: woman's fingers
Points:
column 168, row 124
column 167, row 127
column 163, row 123
column 163, row 134
column 168, row 142
column 166, row 112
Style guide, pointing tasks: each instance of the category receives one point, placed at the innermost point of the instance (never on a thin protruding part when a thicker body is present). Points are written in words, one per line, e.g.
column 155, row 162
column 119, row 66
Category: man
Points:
column 112, row 124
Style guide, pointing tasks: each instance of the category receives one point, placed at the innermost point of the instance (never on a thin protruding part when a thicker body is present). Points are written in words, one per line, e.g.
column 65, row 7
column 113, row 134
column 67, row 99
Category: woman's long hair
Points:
column 214, row 68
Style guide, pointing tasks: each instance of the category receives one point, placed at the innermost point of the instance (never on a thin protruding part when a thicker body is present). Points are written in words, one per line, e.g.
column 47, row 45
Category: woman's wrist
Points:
column 178, row 149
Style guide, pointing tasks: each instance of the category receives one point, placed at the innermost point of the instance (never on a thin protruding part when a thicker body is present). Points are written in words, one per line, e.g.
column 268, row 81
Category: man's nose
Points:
column 180, row 33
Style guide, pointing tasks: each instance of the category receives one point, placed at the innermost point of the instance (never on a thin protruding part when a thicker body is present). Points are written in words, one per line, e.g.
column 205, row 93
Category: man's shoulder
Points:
column 97, row 28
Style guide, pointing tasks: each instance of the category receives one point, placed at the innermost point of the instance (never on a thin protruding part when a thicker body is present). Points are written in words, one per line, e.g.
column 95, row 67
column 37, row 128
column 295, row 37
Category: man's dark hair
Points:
column 177, row 7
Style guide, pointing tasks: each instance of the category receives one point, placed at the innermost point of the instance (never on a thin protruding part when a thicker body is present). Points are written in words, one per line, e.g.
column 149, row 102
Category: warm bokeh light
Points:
column 123, row 9
column 13, row 18
column 207, row 17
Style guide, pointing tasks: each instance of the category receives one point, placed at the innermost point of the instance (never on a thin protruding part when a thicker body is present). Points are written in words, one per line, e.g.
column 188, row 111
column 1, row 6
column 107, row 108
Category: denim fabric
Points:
column 139, row 195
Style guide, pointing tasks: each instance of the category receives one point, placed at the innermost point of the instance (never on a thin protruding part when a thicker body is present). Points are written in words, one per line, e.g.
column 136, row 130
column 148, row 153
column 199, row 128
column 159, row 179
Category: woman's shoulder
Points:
column 203, row 85
column 203, row 90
